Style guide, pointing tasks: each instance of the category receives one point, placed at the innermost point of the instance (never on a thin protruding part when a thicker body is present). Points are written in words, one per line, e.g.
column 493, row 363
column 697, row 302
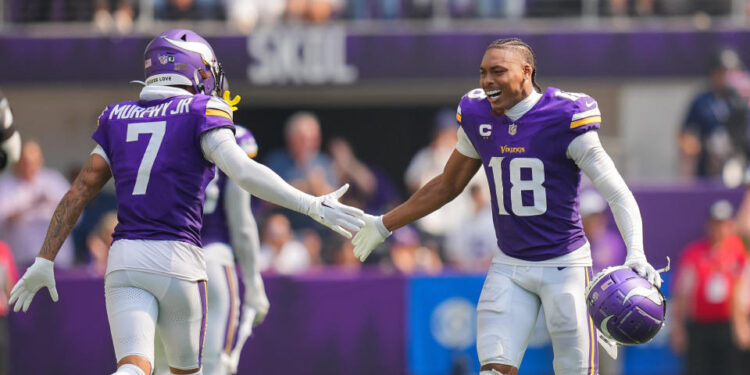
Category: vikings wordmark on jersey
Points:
column 534, row 184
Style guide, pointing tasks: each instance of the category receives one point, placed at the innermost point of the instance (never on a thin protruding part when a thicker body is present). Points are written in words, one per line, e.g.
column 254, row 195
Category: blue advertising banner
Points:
column 441, row 324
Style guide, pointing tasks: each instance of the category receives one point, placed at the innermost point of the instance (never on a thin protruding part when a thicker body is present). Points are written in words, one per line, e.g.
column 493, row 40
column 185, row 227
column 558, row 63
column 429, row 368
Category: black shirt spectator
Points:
column 715, row 129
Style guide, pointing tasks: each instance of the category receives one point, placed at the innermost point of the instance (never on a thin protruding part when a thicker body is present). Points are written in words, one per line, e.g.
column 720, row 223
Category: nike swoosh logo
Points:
column 650, row 293
column 590, row 104
column 603, row 326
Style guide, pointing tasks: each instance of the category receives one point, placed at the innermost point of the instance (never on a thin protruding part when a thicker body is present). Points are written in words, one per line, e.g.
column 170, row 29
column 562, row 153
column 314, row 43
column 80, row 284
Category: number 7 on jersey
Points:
column 157, row 130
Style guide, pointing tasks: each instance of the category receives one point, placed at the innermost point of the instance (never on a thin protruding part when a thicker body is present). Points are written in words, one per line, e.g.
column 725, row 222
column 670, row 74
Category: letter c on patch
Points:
column 485, row 130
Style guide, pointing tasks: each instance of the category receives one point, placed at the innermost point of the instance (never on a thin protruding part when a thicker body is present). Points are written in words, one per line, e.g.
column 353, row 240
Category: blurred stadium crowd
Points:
column 714, row 144
column 119, row 15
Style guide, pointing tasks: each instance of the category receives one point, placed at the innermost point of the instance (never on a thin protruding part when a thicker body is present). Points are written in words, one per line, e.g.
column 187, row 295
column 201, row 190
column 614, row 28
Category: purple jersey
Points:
column 534, row 185
column 215, row 226
column 156, row 160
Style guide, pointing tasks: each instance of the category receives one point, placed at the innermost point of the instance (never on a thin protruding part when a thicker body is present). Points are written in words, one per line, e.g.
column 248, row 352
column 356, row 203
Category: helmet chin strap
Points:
column 218, row 71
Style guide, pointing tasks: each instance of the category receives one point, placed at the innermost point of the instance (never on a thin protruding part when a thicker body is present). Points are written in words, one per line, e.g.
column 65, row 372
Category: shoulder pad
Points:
column 583, row 108
column 218, row 107
column 470, row 99
column 475, row 95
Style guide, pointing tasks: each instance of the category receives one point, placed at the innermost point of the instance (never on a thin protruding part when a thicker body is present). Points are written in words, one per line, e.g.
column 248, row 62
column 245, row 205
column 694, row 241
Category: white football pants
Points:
column 508, row 308
column 139, row 303
column 223, row 307
column 223, row 311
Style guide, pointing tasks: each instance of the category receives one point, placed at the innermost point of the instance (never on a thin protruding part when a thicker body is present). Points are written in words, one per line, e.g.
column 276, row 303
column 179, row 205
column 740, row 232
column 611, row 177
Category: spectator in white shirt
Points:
column 28, row 198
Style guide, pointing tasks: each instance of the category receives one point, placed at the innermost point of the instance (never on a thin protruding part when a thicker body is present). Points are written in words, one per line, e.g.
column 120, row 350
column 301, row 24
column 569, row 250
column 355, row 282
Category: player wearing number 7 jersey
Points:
column 533, row 146
column 161, row 151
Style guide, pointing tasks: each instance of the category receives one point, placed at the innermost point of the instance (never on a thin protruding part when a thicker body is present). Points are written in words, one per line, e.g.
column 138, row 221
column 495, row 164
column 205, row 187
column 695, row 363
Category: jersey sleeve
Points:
column 458, row 112
column 99, row 151
column 464, row 145
column 586, row 115
column 218, row 114
column 100, row 135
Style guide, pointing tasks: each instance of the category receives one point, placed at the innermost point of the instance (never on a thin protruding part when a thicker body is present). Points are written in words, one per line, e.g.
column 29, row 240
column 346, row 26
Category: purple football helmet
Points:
column 182, row 57
column 246, row 140
column 625, row 306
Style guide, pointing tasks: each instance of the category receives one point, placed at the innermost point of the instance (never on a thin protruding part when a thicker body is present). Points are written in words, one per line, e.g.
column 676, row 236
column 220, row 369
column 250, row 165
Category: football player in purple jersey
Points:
column 533, row 145
column 161, row 151
column 229, row 232
column 10, row 140
column 227, row 219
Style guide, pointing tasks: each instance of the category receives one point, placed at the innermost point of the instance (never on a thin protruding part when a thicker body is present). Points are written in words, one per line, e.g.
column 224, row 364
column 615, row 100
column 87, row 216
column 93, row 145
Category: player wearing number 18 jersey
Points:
column 161, row 151
column 533, row 146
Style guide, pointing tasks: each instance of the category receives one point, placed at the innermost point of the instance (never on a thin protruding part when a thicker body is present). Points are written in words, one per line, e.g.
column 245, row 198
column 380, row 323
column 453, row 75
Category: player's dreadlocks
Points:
column 524, row 49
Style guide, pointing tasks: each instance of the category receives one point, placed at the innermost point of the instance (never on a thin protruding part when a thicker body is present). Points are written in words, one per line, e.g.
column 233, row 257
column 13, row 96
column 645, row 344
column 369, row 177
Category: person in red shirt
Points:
column 707, row 274
column 8, row 278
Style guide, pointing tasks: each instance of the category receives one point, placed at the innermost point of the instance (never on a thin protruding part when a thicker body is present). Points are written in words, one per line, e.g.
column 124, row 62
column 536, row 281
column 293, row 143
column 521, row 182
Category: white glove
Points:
column 226, row 363
column 640, row 265
column 370, row 236
column 40, row 274
column 342, row 219
column 249, row 316
column 255, row 299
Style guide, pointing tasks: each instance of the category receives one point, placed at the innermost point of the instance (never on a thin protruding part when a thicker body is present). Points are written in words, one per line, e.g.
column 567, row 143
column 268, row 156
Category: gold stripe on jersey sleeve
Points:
column 458, row 117
column 585, row 121
column 252, row 154
column 218, row 112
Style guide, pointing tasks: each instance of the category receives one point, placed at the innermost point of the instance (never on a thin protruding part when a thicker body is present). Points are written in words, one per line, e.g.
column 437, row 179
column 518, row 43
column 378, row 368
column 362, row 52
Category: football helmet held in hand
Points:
column 626, row 307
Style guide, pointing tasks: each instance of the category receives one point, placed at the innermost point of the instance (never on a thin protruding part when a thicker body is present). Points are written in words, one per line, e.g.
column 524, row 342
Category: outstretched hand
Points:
column 370, row 236
column 40, row 274
column 342, row 219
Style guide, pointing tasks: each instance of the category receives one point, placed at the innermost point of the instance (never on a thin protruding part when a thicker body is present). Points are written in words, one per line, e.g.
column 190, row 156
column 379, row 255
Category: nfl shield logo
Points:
column 512, row 129
column 163, row 59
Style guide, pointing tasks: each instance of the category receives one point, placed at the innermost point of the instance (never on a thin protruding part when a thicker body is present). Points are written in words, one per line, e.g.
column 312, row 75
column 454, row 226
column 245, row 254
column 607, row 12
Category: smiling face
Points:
column 505, row 77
